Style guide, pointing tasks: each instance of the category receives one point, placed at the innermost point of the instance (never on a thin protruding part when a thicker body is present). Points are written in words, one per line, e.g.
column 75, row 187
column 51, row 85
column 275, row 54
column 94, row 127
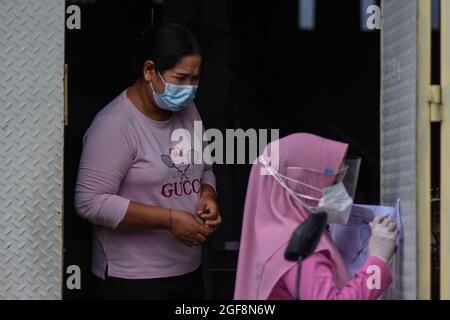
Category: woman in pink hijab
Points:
column 271, row 215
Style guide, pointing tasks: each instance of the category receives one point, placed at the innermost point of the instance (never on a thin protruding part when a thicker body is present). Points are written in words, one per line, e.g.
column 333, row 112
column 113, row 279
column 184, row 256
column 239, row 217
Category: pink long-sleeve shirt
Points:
column 129, row 157
column 317, row 281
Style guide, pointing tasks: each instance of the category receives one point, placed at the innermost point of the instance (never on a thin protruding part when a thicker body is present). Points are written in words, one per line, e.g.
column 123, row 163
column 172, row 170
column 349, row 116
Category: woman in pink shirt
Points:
column 151, row 206
column 273, row 211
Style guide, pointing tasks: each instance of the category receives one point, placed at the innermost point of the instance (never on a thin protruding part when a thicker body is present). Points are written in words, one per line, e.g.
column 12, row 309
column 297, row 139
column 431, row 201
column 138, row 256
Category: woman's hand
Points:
column 384, row 237
column 208, row 209
column 188, row 228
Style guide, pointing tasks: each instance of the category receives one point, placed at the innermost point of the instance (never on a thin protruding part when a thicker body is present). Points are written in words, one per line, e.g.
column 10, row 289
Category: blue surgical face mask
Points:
column 175, row 96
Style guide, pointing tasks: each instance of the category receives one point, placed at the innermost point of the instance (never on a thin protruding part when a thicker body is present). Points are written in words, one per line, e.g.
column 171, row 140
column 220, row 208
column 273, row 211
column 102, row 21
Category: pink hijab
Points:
column 271, row 214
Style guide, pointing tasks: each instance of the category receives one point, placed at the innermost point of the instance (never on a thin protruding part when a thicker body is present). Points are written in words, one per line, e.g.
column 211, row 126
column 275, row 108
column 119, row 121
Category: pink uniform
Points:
column 318, row 281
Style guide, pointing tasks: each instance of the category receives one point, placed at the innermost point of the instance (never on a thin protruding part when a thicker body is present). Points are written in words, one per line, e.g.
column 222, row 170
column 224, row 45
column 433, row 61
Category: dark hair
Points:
column 166, row 46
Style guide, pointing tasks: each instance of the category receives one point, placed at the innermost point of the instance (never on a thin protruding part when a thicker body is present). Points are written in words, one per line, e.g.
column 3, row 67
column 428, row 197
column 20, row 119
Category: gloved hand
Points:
column 383, row 239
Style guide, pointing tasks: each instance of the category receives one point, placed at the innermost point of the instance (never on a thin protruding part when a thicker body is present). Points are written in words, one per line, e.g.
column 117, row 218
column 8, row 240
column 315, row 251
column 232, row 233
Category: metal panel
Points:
column 398, row 132
column 445, row 151
column 31, row 148
column 423, row 137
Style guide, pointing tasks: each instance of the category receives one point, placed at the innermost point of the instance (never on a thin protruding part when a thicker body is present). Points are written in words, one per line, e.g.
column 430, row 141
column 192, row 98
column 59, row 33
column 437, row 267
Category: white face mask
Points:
column 337, row 203
column 335, row 200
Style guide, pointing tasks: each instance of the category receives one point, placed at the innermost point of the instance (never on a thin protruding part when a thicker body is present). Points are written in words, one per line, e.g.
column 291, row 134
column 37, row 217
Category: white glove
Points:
column 383, row 239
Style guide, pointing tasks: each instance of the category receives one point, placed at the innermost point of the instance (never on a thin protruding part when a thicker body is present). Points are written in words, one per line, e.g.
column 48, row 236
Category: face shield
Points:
column 350, row 179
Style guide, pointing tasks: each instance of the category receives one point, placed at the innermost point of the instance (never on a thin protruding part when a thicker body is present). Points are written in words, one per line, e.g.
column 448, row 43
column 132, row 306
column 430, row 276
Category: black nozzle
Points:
column 306, row 237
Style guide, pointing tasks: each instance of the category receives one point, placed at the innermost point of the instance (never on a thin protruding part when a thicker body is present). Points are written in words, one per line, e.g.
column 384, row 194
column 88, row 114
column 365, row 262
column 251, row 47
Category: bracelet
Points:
column 170, row 219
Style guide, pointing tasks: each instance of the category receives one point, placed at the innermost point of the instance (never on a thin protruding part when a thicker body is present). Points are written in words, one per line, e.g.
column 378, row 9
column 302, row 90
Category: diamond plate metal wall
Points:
column 31, row 148
column 398, row 132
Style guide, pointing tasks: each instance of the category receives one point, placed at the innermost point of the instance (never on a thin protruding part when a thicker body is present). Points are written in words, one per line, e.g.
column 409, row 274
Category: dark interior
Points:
column 259, row 71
